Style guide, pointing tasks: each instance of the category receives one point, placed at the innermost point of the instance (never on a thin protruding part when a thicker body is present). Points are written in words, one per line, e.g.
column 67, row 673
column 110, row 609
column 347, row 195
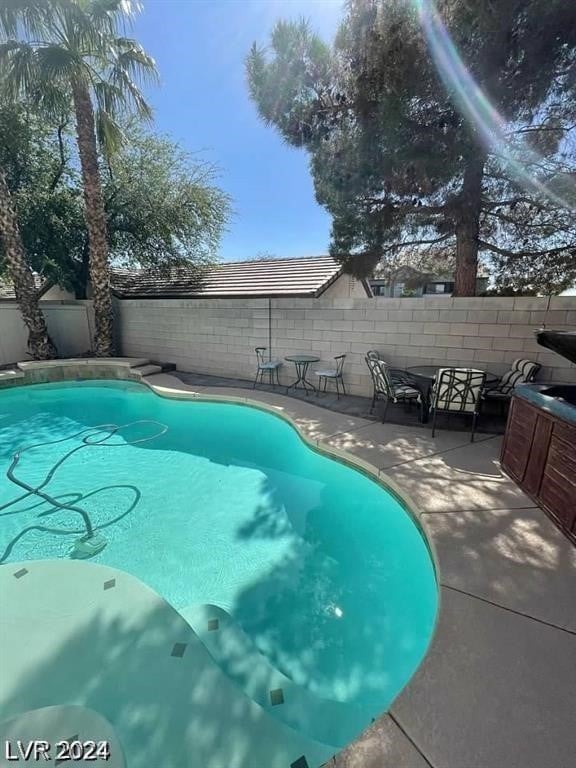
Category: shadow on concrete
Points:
column 515, row 558
column 491, row 421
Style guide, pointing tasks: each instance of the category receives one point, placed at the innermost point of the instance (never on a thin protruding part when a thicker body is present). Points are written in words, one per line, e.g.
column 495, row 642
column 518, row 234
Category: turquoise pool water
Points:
column 320, row 566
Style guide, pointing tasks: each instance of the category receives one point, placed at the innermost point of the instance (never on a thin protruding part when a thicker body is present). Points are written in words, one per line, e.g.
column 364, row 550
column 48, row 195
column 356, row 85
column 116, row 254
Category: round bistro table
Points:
column 430, row 371
column 302, row 363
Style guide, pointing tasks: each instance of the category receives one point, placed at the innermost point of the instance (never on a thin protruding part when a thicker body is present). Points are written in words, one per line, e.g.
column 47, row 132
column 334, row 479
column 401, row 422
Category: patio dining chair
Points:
column 390, row 384
column 333, row 374
column 457, row 390
column 521, row 372
column 269, row 367
column 372, row 354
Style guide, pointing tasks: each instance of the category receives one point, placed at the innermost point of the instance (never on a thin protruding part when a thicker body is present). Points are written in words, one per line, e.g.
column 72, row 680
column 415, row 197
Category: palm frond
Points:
column 122, row 7
column 28, row 16
column 18, row 69
column 131, row 7
column 132, row 58
column 132, row 94
column 72, row 27
column 52, row 99
column 58, row 63
column 107, row 14
column 103, row 14
column 110, row 98
column 7, row 47
column 109, row 133
column 78, row 39
column 24, row 77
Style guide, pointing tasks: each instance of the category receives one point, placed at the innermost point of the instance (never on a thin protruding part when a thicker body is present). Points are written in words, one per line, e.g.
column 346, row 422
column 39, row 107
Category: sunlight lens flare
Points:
column 475, row 104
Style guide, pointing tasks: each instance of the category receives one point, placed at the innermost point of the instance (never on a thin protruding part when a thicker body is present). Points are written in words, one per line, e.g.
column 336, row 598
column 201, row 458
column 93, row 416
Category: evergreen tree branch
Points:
column 483, row 244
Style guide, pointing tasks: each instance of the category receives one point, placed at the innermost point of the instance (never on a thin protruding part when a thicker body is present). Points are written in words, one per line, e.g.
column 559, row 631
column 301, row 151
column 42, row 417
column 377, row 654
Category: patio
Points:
column 288, row 384
column 497, row 686
column 491, row 421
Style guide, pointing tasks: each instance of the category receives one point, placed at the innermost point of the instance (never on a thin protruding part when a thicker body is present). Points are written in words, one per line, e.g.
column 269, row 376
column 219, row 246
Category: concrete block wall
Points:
column 218, row 336
column 203, row 335
column 70, row 323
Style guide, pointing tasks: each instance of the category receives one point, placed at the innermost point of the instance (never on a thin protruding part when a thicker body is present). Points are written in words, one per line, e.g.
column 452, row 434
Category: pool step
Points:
column 147, row 370
column 91, row 362
column 325, row 720
column 11, row 373
column 166, row 367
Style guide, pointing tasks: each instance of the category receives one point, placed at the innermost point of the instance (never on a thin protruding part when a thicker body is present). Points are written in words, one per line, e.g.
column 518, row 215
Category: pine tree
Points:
column 449, row 125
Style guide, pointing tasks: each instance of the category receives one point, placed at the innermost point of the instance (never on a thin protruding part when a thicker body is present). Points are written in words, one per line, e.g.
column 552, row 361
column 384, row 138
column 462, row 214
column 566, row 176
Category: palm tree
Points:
column 40, row 344
column 72, row 54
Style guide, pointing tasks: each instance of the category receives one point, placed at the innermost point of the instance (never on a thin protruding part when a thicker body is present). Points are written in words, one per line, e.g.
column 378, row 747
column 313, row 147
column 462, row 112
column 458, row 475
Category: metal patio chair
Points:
column 390, row 384
column 457, row 390
column 333, row 374
column 269, row 367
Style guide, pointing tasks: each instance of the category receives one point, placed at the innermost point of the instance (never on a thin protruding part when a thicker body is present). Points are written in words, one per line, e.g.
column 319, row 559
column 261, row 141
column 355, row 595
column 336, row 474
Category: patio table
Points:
column 424, row 377
column 302, row 363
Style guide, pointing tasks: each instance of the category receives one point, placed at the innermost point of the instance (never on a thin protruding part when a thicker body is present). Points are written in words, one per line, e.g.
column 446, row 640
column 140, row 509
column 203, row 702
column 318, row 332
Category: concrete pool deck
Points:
column 498, row 686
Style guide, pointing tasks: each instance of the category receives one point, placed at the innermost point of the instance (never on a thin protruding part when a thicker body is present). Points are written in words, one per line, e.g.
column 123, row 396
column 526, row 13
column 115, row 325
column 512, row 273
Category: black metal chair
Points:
column 457, row 390
column 390, row 384
column 266, row 367
column 333, row 374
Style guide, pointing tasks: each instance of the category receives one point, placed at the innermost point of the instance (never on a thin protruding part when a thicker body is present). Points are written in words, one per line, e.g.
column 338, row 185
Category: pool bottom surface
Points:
column 317, row 565
column 126, row 655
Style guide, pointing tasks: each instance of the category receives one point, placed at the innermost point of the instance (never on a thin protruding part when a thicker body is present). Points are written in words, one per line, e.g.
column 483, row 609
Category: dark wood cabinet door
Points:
column 518, row 439
column 539, row 452
column 538, row 455
column 558, row 488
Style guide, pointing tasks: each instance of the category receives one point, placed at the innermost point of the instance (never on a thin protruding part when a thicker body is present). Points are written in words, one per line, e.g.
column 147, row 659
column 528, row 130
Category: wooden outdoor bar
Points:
column 539, row 448
column 539, row 452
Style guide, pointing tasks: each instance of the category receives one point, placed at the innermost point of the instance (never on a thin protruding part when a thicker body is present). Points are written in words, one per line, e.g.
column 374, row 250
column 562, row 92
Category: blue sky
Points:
column 203, row 102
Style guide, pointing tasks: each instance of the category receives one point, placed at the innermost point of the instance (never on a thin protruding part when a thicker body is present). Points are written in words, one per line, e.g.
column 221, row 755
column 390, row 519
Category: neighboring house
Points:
column 310, row 277
column 46, row 291
column 408, row 281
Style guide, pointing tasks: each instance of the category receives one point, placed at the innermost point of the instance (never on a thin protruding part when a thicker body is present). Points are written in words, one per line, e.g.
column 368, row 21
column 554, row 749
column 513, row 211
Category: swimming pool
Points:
column 313, row 563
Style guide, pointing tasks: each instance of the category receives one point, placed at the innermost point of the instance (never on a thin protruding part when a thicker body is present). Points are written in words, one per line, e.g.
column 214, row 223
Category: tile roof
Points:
column 262, row 278
column 7, row 288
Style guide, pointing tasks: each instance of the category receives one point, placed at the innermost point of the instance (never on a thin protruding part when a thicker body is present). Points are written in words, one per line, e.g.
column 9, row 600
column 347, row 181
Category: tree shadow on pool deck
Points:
column 515, row 558
column 153, row 680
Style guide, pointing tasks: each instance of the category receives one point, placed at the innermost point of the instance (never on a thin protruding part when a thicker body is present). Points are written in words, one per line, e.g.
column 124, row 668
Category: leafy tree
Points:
column 263, row 256
column 16, row 152
column 163, row 206
column 452, row 126
column 71, row 52
column 45, row 190
column 40, row 344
